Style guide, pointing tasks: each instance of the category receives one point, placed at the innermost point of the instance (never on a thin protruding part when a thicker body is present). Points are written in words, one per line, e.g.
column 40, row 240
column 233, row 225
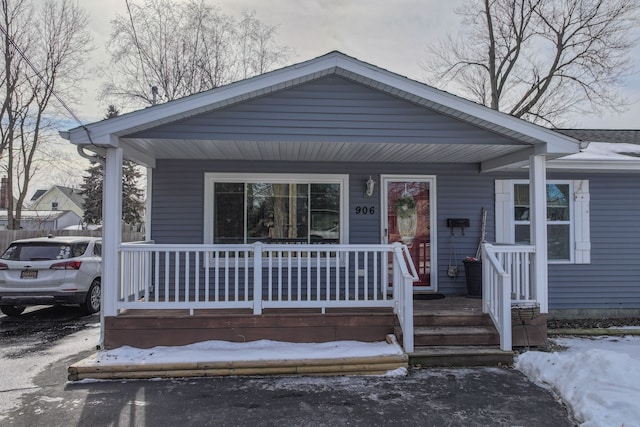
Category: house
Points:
column 58, row 198
column 42, row 220
column 329, row 186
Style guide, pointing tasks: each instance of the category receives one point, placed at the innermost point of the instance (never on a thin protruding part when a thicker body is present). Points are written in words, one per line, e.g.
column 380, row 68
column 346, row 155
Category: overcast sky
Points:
column 391, row 34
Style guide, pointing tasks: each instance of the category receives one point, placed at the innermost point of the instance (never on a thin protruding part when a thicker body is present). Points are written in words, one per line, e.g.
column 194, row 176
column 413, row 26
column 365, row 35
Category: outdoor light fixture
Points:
column 369, row 186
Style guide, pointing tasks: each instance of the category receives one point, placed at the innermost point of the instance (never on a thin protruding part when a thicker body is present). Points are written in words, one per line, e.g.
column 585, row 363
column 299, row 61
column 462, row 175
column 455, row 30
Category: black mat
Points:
column 427, row 296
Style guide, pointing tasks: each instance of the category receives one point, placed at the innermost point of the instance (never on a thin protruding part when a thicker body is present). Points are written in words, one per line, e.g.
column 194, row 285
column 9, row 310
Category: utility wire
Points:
column 38, row 74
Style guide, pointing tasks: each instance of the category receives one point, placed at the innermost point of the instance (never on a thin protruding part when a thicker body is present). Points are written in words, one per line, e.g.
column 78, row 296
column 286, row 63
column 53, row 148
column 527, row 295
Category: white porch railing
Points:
column 258, row 276
column 506, row 281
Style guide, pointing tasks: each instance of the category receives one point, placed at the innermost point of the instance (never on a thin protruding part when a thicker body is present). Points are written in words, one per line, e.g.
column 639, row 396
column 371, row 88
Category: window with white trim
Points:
column 568, row 235
column 274, row 208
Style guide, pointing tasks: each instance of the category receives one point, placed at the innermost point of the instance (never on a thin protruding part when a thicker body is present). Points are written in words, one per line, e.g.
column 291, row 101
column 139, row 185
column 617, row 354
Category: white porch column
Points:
column 111, row 230
column 538, row 220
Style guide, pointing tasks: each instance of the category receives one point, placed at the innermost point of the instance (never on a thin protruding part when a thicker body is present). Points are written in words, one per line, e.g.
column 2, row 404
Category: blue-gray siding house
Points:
column 333, row 160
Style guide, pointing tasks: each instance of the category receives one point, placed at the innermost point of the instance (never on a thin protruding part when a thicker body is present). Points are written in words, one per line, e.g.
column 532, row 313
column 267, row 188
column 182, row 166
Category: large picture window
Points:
column 275, row 209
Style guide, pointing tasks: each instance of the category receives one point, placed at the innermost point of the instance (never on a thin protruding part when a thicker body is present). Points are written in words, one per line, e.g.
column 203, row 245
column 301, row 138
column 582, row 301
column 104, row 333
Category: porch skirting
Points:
column 150, row 328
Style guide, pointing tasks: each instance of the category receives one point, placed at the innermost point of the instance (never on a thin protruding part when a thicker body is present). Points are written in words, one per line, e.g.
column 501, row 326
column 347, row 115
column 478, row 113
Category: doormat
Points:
column 424, row 297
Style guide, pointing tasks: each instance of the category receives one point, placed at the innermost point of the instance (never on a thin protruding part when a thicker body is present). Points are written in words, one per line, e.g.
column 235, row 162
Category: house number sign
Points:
column 365, row 210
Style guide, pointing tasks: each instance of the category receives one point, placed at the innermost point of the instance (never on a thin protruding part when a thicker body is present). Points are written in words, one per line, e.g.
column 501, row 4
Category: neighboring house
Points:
column 58, row 198
column 43, row 220
column 327, row 163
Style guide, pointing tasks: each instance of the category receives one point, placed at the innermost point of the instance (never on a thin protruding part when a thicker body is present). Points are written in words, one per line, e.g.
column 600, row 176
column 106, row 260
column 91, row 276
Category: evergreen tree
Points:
column 131, row 195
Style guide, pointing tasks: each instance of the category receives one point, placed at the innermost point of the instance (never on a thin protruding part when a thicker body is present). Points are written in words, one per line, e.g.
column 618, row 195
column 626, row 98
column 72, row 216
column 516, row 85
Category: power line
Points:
column 39, row 75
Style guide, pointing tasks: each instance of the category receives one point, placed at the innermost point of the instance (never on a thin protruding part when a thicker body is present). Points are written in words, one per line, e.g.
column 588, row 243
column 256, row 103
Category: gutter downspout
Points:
column 92, row 159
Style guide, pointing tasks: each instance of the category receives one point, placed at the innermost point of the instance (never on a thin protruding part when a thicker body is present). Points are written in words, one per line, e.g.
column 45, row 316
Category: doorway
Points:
column 408, row 217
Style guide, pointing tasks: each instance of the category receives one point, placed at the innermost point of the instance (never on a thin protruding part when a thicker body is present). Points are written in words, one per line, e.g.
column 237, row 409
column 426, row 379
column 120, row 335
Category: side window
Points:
column 568, row 231
column 97, row 249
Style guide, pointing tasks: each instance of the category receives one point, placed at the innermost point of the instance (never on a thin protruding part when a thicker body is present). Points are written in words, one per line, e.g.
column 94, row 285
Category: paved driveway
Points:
column 427, row 397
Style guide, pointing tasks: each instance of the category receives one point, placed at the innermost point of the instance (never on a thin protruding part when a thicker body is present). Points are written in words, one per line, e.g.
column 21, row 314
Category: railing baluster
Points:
column 356, row 276
column 226, row 275
column 279, row 275
column 309, row 275
column 289, row 260
column 207, row 284
column 217, row 273
column 299, row 255
column 366, row 275
column 270, row 272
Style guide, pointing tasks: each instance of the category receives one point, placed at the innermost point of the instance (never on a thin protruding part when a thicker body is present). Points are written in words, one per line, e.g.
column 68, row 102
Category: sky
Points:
column 389, row 34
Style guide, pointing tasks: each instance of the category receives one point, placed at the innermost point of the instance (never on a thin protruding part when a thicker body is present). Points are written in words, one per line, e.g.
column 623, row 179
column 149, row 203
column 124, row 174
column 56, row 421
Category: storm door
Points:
column 408, row 217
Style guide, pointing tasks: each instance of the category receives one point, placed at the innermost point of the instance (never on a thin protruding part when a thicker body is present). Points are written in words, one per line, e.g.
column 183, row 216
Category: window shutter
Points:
column 504, row 211
column 582, row 226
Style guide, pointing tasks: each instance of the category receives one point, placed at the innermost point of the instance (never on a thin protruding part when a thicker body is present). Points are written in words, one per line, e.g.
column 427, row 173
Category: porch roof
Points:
column 491, row 138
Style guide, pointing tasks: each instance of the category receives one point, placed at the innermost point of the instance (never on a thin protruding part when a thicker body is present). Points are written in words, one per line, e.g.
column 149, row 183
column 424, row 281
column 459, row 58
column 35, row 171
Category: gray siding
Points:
column 610, row 281
column 178, row 192
column 331, row 109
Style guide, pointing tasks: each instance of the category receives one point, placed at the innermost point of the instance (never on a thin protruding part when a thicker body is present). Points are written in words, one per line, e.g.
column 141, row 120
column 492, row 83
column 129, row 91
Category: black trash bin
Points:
column 473, row 274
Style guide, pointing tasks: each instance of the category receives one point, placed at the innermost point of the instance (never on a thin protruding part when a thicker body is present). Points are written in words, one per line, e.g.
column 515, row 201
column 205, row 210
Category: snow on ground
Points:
column 220, row 351
column 597, row 378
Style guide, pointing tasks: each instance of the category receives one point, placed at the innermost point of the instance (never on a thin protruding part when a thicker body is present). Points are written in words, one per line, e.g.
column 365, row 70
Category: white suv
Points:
column 51, row 271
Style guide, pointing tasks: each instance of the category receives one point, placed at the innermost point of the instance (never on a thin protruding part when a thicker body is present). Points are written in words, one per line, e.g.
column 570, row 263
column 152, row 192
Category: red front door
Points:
column 408, row 218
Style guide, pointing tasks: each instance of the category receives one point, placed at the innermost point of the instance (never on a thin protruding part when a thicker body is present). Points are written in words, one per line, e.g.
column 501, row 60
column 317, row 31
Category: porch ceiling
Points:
column 316, row 151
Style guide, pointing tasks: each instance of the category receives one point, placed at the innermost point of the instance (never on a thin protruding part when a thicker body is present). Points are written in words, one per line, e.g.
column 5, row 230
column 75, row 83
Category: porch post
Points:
column 538, row 220
column 111, row 230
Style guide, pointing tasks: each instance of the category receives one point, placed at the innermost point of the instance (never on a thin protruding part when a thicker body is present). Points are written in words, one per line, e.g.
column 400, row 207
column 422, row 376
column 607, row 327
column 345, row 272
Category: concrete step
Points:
column 449, row 356
column 451, row 318
column 456, row 335
column 453, row 335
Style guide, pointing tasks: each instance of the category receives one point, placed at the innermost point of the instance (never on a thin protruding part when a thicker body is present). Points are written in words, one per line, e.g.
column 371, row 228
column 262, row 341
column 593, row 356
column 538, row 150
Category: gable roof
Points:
column 72, row 194
column 119, row 131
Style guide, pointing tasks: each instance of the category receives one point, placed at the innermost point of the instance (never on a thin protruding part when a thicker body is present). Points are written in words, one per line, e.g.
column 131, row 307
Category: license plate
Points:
column 29, row 274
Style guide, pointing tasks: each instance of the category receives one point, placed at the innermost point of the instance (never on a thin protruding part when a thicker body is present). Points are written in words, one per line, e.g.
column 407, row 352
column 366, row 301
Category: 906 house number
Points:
column 365, row 210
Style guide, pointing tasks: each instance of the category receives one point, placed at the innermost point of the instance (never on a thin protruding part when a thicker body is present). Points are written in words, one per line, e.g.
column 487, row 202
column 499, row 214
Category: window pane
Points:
column 558, row 202
column 521, row 202
column 558, row 241
column 277, row 212
column 325, row 213
column 523, row 235
column 228, row 213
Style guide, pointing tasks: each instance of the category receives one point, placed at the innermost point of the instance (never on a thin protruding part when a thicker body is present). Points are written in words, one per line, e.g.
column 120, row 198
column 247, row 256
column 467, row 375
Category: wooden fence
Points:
column 8, row 236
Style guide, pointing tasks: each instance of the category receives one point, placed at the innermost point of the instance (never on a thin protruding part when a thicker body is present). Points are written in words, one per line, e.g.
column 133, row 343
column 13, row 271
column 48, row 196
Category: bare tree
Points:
column 541, row 60
column 182, row 48
column 44, row 46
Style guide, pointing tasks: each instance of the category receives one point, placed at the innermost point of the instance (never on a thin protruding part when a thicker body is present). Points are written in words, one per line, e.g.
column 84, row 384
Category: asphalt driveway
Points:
column 426, row 397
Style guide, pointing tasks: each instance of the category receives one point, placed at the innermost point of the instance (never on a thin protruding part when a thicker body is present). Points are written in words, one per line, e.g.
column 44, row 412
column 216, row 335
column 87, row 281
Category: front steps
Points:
column 449, row 336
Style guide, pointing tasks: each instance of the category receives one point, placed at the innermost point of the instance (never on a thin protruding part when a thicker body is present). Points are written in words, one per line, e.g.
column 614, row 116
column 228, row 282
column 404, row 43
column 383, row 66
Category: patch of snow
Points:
column 220, row 351
column 597, row 378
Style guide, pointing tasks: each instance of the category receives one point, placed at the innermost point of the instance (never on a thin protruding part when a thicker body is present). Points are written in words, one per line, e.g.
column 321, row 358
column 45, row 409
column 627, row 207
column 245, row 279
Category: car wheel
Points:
column 12, row 310
column 92, row 301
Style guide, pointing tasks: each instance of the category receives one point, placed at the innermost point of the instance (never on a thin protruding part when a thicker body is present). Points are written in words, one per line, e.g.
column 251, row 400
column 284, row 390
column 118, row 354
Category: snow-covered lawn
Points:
column 597, row 378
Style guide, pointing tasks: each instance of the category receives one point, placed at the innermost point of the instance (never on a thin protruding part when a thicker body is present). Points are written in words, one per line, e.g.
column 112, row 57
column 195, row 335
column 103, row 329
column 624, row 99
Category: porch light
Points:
column 369, row 186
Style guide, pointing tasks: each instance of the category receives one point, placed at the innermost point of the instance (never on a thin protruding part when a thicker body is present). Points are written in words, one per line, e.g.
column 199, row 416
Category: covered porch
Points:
column 337, row 117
